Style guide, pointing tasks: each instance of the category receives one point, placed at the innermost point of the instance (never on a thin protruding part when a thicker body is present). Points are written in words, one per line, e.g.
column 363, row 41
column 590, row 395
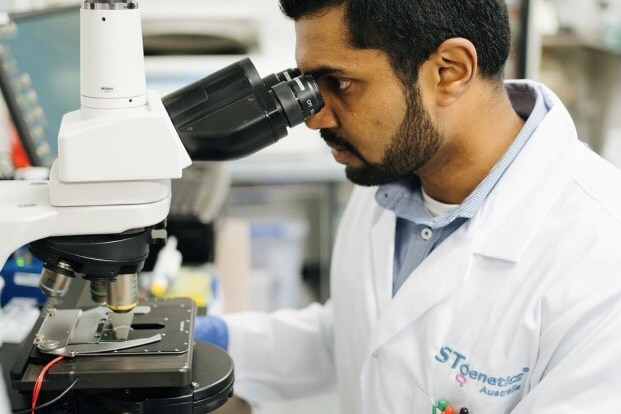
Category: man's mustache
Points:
column 334, row 140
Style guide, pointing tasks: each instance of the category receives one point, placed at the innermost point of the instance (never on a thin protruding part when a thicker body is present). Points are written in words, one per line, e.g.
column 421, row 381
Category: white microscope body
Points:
column 116, row 154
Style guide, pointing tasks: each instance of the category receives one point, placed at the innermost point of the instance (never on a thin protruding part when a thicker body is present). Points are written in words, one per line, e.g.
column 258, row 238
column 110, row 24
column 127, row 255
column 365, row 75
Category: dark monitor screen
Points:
column 40, row 75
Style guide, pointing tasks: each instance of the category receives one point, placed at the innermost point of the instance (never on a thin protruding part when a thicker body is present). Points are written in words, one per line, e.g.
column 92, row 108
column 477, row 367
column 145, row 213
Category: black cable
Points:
column 47, row 404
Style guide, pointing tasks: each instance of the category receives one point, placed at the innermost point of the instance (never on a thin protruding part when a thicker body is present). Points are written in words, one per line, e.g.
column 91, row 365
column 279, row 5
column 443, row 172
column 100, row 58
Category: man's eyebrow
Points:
column 323, row 71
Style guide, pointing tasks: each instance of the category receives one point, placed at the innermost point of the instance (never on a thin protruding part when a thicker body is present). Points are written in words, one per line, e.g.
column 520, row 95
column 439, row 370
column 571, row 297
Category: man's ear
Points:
column 453, row 67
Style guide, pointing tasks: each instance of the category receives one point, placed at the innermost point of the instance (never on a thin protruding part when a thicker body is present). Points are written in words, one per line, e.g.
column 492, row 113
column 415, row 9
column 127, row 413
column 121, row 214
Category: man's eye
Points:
column 343, row 84
column 337, row 84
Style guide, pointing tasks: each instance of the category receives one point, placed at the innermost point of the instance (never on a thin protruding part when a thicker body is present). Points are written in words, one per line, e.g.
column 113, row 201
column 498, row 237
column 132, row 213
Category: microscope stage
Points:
column 166, row 362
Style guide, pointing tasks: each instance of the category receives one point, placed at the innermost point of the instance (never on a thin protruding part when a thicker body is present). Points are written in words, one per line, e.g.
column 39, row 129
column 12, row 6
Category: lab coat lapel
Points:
column 382, row 253
column 441, row 274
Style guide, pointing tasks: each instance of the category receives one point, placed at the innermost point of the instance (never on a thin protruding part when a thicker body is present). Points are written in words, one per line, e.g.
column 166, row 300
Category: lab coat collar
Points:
column 530, row 186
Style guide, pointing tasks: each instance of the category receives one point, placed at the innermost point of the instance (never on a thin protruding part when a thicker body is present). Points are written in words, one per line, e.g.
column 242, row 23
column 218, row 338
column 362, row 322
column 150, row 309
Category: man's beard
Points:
column 409, row 149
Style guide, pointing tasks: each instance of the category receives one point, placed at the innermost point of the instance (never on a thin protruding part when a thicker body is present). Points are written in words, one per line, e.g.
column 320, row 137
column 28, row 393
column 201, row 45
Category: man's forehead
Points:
column 321, row 42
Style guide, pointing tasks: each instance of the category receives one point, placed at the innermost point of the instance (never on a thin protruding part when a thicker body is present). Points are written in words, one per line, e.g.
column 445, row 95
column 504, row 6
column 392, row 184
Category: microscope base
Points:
column 172, row 375
column 211, row 387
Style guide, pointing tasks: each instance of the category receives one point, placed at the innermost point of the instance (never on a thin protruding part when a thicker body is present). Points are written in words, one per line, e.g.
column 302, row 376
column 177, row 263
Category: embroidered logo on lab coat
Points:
column 493, row 385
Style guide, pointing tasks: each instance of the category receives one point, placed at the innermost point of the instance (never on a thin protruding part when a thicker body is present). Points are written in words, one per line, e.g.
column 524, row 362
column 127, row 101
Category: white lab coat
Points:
column 518, row 311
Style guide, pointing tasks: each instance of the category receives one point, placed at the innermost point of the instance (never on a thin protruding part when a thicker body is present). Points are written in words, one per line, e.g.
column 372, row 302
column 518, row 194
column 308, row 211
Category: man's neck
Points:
column 483, row 135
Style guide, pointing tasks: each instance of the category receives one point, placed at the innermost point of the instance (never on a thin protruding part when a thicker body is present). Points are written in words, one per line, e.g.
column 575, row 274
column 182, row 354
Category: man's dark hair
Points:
column 409, row 31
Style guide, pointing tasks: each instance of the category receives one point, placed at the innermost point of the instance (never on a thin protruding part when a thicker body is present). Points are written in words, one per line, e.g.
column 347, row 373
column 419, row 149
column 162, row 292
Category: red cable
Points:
column 39, row 382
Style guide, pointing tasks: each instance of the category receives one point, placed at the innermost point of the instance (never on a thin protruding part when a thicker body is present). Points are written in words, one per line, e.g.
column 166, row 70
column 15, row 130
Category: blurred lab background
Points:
column 257, row 233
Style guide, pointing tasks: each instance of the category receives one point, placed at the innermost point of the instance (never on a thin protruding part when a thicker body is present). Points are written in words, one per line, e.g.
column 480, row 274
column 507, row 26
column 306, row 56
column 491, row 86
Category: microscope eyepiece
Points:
column 234, row 112
column 285, row 75
column 299, row 97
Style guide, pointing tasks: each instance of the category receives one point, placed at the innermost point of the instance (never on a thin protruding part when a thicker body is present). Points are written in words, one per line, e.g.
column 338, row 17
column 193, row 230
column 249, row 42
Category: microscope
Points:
column 106, row 202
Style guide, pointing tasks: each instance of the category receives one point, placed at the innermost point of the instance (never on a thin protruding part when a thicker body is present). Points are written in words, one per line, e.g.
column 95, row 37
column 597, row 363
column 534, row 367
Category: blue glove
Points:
column 212, row 329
